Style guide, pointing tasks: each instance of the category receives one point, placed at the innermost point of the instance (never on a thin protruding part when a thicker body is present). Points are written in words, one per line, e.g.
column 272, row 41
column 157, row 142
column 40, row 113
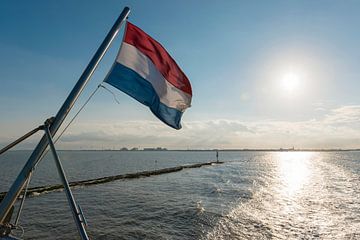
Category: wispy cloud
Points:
column 344, row 115
column 337, row 128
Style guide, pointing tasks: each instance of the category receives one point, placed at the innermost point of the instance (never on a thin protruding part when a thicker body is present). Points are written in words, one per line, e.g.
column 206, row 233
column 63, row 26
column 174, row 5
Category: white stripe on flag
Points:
column 131, row 57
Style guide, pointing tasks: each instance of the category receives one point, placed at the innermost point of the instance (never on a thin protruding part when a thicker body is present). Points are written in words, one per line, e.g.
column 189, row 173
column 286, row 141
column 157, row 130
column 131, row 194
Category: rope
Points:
column 80, row 109
column 71, row 121
column 62, row 132
column 22, row 231
column 78, row 112
column 114, row 96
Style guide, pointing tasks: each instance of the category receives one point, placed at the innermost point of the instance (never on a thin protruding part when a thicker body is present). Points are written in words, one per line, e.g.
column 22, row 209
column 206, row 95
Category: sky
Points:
column 264, row 74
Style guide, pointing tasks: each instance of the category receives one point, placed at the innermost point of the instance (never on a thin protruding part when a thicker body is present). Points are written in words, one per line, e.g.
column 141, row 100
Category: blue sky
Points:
column 238, row 56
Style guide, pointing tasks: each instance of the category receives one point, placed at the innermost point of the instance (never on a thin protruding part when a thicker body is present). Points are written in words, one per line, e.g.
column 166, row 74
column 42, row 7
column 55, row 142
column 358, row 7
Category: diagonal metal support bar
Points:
column 20, row 181
column 22, row 201
column 77, row 214
column 19, row 140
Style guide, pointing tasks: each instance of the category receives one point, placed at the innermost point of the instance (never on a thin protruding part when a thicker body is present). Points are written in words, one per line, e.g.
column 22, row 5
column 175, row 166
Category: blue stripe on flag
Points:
column 131, row 83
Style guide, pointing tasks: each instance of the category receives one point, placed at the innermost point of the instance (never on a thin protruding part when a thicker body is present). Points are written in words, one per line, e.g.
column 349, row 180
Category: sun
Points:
column 290, row 82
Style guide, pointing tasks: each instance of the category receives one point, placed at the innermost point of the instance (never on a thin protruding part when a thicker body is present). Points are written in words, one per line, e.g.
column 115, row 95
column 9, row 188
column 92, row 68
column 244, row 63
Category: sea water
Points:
column 253, row 195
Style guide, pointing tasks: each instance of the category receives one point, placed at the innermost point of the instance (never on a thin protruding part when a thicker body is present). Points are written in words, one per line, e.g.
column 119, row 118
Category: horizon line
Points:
column 218, row 149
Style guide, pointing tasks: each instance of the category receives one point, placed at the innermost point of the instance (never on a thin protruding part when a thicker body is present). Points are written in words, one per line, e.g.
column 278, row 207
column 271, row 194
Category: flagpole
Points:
column 20, row 181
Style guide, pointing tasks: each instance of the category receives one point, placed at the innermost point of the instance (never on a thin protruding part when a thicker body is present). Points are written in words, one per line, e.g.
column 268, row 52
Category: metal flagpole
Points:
column 20, row 181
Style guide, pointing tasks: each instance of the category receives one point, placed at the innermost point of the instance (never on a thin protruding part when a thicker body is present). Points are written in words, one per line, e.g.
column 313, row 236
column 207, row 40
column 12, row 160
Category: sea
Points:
column 252, row 195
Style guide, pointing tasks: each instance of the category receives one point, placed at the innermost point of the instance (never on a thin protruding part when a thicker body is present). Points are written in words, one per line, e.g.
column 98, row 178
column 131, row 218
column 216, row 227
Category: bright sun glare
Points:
column 290, row 82
column 294, row 170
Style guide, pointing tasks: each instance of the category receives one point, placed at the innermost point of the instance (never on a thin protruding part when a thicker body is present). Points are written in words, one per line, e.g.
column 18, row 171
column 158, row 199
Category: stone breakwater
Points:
column 35, row 191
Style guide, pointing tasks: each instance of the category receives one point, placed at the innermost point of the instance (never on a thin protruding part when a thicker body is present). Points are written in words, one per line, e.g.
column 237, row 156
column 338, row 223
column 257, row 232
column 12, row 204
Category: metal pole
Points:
column 73, row 207
column 22, row 201
column 19, row 140
column 19, row 183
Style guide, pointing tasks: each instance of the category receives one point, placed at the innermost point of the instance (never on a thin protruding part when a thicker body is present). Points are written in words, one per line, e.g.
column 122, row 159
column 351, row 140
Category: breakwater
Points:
column 35, row 191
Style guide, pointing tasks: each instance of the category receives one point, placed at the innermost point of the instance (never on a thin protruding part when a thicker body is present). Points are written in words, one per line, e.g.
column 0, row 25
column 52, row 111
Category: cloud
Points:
column 344, row 115
column 336, row 128
column 199, row 134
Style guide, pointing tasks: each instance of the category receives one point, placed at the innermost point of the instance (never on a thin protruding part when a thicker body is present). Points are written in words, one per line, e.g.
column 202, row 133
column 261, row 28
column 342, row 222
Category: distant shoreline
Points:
column 209, row 150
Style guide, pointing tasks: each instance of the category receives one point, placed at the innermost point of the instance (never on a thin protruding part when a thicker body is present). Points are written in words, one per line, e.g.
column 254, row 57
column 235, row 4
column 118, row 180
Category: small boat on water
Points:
column 148, row 74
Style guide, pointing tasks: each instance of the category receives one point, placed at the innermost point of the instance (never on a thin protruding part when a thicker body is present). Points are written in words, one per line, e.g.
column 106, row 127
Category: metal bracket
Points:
column 73, row 206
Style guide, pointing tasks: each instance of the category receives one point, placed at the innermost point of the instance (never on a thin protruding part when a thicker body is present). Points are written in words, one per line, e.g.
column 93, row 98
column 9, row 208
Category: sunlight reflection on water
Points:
column 294, row 170
column 300, row 195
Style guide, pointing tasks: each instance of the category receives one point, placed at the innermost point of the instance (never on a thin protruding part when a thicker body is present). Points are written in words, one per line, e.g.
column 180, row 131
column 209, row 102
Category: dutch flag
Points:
column 144, row 70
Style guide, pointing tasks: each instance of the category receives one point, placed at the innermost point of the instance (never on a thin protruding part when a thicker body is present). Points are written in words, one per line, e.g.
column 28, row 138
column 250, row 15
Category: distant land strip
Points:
column 217, row 149
column 35, row 191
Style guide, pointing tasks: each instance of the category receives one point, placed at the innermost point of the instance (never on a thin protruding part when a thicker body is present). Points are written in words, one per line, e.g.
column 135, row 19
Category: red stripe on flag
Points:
column 159, row 56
